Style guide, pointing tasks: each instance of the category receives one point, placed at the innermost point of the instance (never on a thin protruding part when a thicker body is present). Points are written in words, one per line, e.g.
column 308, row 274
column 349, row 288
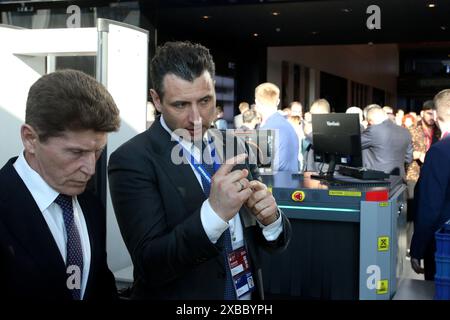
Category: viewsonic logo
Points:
column 333, row 123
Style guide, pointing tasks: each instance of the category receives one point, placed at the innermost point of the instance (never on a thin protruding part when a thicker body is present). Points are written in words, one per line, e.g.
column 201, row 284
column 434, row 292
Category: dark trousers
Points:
column 429, row 261
column 411, row 210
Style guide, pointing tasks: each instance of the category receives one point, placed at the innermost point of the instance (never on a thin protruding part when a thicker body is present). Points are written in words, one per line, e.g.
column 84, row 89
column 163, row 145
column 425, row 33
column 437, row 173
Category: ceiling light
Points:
column 443, row 28
column 431, row 5
column 255, row 34
column 277, row 29
column 206, row 17
column 346, row 10
column 275, row 13
column 314, row 32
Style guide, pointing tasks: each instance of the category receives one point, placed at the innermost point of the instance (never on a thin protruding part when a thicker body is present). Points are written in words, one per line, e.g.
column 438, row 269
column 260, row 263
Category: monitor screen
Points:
column 337, row 139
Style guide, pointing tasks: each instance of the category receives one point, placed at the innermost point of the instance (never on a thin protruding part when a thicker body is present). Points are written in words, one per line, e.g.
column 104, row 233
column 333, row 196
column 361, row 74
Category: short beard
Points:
column 428, row 125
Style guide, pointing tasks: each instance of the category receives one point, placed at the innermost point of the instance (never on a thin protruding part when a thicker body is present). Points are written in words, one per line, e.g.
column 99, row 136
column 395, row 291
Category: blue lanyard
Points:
column 198, row 166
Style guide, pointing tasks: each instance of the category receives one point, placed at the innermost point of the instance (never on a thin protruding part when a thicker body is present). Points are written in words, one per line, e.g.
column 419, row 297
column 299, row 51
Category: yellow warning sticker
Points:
column 384, row 204
column 341, row 193
column 383, row 243
column 382, row 286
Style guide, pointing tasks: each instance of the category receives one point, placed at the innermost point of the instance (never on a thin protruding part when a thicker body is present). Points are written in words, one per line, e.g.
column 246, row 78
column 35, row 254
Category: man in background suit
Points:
column 52, row 232
column 386, row 146
column 432, row 193
column 286, row 145
column 182, row 218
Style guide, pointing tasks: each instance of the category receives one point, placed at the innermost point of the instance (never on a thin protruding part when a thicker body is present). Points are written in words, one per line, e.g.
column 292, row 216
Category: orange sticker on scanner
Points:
column 298, row 196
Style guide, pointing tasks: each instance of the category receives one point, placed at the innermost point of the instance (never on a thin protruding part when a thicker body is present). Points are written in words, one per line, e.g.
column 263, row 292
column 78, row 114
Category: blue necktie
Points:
column 230, row 293
column 74, row 255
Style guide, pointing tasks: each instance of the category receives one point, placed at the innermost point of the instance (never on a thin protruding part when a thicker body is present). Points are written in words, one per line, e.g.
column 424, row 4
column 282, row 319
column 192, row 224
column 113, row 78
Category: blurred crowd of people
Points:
column 389, row 152
column 391, row 141
column 419, row 132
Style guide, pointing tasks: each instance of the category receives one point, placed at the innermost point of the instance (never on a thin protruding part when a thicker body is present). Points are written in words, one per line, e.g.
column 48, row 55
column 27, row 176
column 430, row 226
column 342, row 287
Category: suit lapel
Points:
column 25, row 221
column 181, row 175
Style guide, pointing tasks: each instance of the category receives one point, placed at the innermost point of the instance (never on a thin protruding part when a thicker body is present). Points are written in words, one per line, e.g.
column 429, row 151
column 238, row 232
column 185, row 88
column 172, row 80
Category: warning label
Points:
column 382, row 286
column 383, row 243
column 341, row 193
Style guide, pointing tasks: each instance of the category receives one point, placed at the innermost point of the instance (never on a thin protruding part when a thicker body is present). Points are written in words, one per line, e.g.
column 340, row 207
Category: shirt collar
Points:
column 42, row 193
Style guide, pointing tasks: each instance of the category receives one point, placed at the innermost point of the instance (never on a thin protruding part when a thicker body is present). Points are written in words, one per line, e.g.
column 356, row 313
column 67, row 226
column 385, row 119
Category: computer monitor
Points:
column 337, row 140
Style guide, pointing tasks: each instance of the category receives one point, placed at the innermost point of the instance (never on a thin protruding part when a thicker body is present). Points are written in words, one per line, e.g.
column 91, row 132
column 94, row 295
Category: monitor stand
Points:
column 329, row 179
column 328, row 176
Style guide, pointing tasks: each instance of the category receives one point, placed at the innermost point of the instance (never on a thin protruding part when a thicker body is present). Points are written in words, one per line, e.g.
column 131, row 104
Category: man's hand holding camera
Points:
column 230, row 190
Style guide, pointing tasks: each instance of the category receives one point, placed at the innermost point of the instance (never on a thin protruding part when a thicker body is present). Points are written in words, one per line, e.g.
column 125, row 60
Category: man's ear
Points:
column 156, row 100
column 29, row 138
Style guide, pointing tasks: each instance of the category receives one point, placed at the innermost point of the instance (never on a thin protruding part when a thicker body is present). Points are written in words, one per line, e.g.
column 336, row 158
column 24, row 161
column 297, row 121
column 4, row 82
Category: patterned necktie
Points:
column 230, row 293
column 74, row 253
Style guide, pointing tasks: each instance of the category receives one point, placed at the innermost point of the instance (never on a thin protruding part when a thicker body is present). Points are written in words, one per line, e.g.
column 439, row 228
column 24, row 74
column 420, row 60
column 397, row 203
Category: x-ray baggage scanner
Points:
column 348, row 241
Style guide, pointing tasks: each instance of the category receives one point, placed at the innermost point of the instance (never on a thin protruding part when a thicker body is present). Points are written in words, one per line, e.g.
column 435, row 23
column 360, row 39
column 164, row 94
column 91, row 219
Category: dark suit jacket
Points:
column 157, row 204
column 432, row 196
column 31, row 265
column 386, row 146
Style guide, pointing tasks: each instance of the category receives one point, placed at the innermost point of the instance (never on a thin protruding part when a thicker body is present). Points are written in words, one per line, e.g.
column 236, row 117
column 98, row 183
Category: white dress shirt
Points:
column 212, row 223
column 44, row 196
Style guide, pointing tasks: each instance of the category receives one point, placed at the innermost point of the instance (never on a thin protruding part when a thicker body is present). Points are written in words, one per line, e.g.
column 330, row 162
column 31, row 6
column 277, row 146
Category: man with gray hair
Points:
column 319, row 106
column 365, row 111
column 386, row 146
column 53, row 245
column 359, row 112
column 432, row 193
